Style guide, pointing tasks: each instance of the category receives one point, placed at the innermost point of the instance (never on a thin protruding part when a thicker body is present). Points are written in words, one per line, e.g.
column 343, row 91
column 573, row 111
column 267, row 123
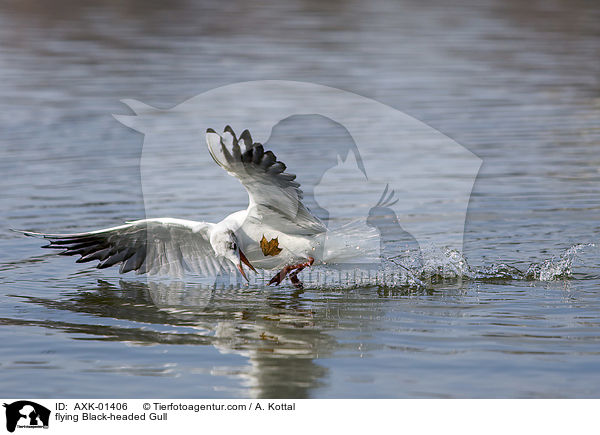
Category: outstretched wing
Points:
column 275, row 198
column 153, row 246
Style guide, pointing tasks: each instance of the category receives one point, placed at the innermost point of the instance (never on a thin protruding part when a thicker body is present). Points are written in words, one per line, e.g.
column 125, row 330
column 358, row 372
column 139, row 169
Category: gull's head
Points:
column 225, row 244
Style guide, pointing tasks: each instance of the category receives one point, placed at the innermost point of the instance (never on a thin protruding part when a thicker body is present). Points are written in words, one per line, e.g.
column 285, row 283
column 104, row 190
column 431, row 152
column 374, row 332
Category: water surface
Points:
column 517, row 84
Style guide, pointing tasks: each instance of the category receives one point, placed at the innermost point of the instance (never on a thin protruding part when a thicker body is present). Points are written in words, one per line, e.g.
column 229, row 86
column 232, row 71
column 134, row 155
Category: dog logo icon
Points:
column 26, row 414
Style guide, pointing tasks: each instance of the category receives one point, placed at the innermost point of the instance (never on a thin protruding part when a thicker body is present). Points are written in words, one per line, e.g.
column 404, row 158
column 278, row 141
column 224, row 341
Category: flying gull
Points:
column 275, row 232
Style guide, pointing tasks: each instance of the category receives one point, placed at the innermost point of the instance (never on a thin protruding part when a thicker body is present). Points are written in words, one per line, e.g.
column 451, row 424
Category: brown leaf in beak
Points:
column 270, row 247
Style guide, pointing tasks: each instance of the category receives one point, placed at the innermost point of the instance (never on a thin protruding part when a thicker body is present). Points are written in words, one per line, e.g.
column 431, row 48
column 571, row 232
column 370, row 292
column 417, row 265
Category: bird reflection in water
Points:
column 276, row 330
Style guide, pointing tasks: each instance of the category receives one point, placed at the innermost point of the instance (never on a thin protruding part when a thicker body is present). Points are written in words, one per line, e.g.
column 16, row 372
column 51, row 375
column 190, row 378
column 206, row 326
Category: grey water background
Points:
column 516, row 83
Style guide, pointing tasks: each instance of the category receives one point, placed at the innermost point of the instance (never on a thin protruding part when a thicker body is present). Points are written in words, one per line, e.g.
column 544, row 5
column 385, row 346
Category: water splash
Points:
column 555, row 269
column 436, row 265
column 452, row 264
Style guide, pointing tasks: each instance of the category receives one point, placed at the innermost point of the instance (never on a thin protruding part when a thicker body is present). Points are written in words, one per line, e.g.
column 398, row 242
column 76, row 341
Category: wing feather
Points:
column 275, row 198
column 153, row 246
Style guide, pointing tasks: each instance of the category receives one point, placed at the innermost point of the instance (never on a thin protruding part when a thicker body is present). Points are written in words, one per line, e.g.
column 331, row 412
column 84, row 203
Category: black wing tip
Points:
column 227, row 129
column 28, row 233
column 265, row 159
column 246, row 137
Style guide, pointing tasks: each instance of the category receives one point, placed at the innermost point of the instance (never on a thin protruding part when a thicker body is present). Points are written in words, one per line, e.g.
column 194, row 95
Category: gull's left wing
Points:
column 153, row 246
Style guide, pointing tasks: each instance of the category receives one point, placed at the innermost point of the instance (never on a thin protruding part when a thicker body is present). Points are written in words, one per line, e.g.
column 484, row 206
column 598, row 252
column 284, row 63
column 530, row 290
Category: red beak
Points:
column 244, row 260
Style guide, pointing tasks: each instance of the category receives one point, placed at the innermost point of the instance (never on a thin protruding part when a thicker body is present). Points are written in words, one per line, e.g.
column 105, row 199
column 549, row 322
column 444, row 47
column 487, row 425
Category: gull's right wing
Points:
column 275, row 198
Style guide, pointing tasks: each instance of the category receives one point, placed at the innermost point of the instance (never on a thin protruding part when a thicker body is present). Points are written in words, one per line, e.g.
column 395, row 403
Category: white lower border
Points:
column 157, row 416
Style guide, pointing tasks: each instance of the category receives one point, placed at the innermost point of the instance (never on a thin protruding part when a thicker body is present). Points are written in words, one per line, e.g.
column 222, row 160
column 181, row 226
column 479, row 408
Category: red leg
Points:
column 294, row 275
column 294, row 279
